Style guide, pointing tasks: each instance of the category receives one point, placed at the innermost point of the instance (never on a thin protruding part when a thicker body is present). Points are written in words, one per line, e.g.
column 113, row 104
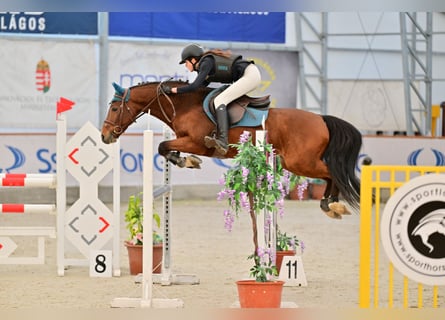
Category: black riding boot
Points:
column 220, row 142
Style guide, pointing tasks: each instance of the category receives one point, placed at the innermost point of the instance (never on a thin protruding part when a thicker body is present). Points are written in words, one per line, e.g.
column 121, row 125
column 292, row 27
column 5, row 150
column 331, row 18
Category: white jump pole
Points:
column 147, row 251
column 18, row 208
column 147, row 301
column 61, row 191
column 28, row 180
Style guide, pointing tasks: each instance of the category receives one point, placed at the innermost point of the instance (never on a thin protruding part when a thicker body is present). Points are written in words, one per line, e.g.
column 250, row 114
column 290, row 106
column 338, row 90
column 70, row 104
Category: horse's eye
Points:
column 114, row 109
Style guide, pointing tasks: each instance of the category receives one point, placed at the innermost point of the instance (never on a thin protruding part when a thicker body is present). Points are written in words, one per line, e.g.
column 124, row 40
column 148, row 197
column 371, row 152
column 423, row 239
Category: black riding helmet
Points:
column 192, row 50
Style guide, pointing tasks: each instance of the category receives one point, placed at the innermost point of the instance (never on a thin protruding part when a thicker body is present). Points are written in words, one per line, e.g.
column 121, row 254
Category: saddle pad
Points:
column 252, row 117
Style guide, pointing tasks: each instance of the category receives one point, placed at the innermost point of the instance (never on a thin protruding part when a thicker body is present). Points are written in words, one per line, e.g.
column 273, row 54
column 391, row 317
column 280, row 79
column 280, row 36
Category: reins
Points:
column 118, row 128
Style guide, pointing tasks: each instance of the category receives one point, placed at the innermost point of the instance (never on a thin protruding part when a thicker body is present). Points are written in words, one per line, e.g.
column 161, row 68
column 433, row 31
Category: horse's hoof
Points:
column 338, row 208
column 181, row 162
column 324, row 204
column 332, row 214
column 193, row 162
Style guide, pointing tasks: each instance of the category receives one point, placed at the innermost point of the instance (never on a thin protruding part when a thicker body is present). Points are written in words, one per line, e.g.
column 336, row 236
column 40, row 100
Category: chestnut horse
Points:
column 311, row 145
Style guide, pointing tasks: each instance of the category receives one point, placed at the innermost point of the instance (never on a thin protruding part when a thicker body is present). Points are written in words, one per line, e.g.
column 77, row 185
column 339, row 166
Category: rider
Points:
column 218, row 66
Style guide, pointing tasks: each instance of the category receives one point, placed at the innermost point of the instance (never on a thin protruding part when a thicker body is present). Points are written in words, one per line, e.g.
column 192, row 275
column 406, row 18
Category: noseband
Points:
column 119, row 128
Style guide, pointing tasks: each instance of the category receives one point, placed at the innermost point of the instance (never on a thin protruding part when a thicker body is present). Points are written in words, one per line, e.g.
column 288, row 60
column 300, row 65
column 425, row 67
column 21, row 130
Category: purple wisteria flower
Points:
column 229, row 218
column 244, row 197
column 302, row 246
column 244, row 137
column 270, row 180
column 301, row 188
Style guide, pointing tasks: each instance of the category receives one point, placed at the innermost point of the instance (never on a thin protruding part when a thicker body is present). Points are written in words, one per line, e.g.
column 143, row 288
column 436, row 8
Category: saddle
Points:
column 245, row 111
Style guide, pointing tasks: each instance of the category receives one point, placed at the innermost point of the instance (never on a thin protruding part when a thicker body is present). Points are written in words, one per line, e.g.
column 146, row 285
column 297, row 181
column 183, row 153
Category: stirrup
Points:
column 221, row 148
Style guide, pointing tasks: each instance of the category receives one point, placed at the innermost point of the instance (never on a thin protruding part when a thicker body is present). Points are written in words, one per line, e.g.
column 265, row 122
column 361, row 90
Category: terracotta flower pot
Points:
column 279, row 257
column 254, row 294
column 135, row 258
column 317, row 190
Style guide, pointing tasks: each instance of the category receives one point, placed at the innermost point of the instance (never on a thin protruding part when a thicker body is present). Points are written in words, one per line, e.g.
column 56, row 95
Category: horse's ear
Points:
column 118, row 88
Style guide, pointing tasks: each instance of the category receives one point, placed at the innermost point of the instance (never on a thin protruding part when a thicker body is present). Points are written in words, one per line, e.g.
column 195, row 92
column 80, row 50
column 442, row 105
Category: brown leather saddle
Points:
column 238, row 108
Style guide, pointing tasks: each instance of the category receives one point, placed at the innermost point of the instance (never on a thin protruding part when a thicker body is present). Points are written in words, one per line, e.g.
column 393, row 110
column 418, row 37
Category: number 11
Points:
column 289, row 264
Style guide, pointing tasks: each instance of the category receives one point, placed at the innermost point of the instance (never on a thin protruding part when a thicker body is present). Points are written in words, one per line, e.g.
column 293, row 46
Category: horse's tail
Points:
column 341, row 157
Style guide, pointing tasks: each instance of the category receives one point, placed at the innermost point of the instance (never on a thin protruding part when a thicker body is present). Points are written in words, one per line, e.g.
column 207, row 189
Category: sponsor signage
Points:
column 259, row 27
column 215, row 26
column 84, row 23
column 413, row 229
column 35, row 153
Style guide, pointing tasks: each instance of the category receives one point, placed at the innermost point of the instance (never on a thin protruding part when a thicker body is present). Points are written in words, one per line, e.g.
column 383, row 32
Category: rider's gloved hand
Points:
column 166, row 89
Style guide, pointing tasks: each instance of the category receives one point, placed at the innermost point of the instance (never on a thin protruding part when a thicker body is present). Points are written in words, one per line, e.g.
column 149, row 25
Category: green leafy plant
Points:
column 134, row 218
column 287, row 242
column 254, row 184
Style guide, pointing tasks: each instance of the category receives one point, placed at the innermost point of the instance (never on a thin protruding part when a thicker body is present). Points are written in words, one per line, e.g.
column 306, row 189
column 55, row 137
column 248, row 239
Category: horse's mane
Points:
column 172, row 83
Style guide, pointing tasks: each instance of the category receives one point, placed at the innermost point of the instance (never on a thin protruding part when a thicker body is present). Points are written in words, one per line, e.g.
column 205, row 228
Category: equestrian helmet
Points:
column 192, row 50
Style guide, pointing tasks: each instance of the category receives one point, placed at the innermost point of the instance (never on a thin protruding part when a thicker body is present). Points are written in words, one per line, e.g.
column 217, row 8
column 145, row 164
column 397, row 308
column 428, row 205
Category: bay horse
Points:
column 310, row 145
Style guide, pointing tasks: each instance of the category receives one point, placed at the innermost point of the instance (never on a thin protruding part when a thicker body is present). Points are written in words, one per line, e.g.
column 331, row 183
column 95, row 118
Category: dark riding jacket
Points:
column 214, row 68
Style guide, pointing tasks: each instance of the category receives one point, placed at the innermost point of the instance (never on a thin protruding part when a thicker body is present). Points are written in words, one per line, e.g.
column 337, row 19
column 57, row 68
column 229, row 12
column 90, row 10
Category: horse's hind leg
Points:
column 330, row 203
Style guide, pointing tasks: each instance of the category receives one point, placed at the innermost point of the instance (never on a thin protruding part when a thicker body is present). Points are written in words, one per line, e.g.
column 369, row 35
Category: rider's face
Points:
column 189, row 64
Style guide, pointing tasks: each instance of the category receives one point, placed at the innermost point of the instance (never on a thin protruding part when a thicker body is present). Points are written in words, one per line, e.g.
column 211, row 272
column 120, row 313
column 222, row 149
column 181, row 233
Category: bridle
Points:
column 119, row 127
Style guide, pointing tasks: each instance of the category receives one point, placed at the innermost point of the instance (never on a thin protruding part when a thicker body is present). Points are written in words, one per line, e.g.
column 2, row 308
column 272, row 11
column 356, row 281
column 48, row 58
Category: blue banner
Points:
column 268, row 27
column 82, row 23
column 226, row 5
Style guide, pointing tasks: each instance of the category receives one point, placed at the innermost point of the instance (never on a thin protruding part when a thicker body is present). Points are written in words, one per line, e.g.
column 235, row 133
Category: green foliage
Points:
column 286, row 242
column 262, row 271
column 134, row 219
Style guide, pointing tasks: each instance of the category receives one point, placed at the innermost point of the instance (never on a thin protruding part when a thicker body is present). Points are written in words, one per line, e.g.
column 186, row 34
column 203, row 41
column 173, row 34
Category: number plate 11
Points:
column 292, row 271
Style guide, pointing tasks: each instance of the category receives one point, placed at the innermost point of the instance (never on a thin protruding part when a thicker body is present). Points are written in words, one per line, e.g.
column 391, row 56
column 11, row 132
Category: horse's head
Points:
column 129, row 104
column 124, row 110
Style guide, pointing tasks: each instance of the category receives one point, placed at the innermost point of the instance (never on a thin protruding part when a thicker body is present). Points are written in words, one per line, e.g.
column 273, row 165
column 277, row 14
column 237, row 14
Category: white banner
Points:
column 37, row 73
column 369, row 105
column 35, row 153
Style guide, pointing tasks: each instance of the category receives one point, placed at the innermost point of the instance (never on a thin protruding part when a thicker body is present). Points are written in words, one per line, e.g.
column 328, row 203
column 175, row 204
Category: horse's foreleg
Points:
column 175, row 158
column 166, row 149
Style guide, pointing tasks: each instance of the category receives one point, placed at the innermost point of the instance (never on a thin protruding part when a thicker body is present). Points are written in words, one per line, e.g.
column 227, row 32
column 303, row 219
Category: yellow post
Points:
column 365, row 237
column 435, row 114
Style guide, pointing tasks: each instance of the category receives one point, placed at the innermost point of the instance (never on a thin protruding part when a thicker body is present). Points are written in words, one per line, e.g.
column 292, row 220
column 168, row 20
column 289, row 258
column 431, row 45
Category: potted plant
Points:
column 317, row 188
column 134, row 223
column 253, row 185
column 286, row 245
